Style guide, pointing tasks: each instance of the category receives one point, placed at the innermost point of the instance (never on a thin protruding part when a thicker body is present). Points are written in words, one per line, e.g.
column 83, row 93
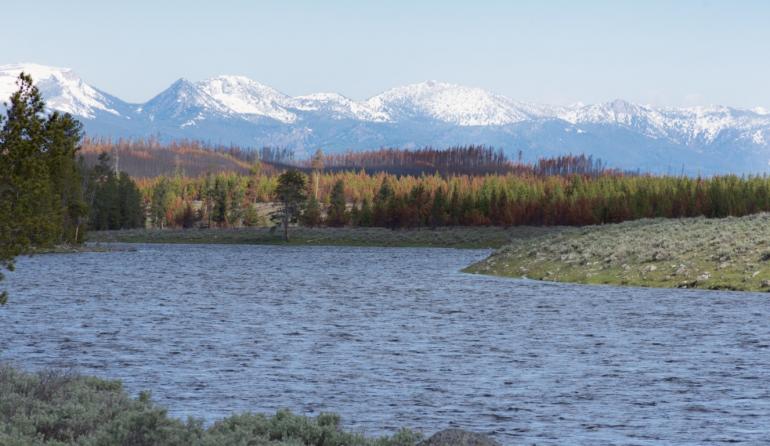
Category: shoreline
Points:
column 108, row 414
column 698, row 253
column 445, row 237
column 75, row 249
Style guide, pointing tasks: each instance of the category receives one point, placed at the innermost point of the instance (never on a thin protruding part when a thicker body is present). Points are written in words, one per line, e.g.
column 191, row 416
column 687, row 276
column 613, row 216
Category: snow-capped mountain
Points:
column 453, row 104
column 63, row 90
column 238, row 110
column 182, row 101
column 243, row 96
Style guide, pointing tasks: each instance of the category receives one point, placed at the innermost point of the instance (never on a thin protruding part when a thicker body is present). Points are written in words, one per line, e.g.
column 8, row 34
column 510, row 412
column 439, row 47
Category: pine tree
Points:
column 419, row 204
column 40, row 196
column 188, row 217
column 381, row 204
column 355, row 213
column 62, row 136
column 365, row 217
column 337, row 215
column 290, row 194
column 28, row 205
column 159, row 203
column 438, row 211
column 455, row 210
column 130, row 203
column 311, row 216
column 221, row 203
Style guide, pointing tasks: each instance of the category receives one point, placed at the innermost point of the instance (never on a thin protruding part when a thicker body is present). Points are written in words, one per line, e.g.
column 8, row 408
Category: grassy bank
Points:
column 56, row 409
column 454, row 237
column 729, row 253
column 73, row 249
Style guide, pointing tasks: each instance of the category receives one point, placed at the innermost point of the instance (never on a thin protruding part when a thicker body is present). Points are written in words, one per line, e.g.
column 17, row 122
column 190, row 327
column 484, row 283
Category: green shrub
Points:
column 54, row 409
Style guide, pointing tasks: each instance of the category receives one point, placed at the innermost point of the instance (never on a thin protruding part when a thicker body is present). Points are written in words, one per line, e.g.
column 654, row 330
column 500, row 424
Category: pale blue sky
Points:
column 660, row 52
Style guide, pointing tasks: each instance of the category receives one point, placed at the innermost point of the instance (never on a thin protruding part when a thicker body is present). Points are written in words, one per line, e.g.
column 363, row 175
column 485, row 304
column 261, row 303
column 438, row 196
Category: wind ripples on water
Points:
column 393, row 338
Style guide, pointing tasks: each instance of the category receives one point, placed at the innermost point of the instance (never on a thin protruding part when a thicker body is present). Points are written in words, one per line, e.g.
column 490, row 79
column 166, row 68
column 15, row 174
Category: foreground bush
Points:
column 54, row 408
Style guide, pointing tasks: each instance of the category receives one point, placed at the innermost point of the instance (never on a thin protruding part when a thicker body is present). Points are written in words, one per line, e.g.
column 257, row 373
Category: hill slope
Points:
column 730, row 253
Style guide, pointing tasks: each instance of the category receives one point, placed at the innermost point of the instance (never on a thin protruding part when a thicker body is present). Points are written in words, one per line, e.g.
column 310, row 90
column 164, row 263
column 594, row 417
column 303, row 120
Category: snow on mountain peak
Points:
column 237, row 107
column 456, row 104
column 182, row 99
column 242, row 95
column 339, row 107
column 62, row 89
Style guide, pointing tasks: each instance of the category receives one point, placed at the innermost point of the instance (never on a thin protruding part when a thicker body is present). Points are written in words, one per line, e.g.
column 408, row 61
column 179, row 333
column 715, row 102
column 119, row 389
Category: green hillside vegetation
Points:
column 719, row 254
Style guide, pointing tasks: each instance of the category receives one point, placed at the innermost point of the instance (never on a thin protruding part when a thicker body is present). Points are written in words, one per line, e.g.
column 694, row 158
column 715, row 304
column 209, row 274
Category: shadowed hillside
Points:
column 149, row 158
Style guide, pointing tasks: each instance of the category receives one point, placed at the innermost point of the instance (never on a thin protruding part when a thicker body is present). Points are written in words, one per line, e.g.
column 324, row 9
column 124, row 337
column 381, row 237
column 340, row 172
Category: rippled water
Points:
column 398, row 337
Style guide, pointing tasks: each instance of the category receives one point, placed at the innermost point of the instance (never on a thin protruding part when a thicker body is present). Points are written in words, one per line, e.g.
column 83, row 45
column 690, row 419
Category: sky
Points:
column 668, row 53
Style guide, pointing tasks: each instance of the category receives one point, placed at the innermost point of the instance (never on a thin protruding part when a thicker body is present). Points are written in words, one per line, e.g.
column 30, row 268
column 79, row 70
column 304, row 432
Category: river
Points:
column 398, row 337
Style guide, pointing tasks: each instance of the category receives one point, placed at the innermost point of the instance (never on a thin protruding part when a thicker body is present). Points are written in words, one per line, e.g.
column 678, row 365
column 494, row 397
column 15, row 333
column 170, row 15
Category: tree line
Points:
column 472, row 159
column 149, row 157
column 407, row 201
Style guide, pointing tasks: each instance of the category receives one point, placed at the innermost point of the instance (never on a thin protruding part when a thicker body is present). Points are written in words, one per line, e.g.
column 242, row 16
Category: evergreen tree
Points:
column 29, row 214
column 438, row 211
column 311, row 216
column 235, row 207
column 113, row 202
column 188, row 217
column 337, row 215
column 41, row 199
column 219, row 213
column 419, row 204
column 159, row 203
column 290, row 194
column 130, row 203
column 209, row 193
column 365, row 216
column 455, row 210
column 355, row 213
column 105, row 210
column 62, row 136
column 382, row 203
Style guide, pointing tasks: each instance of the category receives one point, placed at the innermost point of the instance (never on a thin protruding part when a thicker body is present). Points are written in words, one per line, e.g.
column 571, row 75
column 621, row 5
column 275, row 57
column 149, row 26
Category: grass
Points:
column 71, row 249
column 716, row 254
column 452, row 237
column 57, row 409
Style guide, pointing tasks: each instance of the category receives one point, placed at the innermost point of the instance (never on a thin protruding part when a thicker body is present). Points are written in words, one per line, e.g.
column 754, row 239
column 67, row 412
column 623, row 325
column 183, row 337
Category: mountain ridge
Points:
column 234, row 109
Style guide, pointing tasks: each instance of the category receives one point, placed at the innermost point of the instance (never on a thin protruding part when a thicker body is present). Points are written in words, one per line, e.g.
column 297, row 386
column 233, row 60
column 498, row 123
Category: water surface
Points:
column 398, row 337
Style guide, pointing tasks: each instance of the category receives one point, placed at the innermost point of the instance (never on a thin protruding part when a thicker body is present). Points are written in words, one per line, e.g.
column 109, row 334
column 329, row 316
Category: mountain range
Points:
column 238, row 110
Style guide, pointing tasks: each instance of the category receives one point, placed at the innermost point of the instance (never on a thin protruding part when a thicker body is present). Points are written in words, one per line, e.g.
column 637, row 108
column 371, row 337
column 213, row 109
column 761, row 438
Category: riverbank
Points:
column 63, row 408
column 74, row 249
column 717, row 254
column 449, row 237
